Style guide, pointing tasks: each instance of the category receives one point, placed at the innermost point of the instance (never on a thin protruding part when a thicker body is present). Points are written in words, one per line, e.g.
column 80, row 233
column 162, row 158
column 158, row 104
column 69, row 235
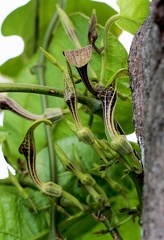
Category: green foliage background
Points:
column 17, row 221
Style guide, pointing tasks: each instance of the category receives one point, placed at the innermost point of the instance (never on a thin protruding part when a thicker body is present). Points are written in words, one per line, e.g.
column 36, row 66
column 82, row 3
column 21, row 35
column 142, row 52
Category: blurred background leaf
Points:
column 31, row 20
column 133, row 14
column 17, row 221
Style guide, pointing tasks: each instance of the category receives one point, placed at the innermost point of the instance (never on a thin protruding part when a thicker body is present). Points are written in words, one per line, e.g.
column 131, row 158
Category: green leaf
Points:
column 123, row 114
column 17, row 222
column 122, row 73
column 29, row 14
column 43, row 165
column 133, row 230
column 124, row 107
column 3, row 134
column 87, row 8
column 86, row 222
column 24, row 23
column 116, row 56
column 132, row 13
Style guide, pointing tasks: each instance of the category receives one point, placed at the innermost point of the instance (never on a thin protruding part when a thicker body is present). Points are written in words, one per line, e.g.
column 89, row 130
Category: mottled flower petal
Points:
column 79, row 57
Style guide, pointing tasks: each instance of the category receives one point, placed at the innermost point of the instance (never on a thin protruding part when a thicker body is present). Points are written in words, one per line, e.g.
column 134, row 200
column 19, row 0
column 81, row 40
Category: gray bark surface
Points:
column 146, row 68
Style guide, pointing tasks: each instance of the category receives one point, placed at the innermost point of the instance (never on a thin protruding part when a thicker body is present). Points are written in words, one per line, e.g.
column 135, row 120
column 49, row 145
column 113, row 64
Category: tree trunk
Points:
column 146, row 68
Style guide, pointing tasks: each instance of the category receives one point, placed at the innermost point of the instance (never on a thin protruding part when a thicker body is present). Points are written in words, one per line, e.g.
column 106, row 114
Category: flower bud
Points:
column 88, row 180
column 52, row 189
column 85, row 135
column 53, row 114
column 121, row 145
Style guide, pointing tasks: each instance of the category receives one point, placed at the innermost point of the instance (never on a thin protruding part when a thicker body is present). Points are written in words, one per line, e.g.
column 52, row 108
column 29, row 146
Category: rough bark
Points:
column 146, row 68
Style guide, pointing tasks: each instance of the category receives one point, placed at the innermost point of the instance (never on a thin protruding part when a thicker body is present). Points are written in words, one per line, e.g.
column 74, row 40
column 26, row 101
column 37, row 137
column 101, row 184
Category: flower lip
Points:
column 79, row 57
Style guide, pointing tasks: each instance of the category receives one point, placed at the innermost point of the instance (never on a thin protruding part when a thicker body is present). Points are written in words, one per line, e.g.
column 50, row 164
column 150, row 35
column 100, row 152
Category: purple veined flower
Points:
column 80, row 59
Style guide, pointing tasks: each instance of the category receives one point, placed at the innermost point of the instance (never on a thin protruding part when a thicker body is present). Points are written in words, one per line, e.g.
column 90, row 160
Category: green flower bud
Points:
column 52, row 189
column 88, row 180
column 121, row 145
column 53, row 114
column 85, row 135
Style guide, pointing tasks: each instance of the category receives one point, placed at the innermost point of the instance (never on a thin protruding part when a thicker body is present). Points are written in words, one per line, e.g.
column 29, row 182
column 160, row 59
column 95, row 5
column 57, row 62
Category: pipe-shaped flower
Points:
column 118, row 143
column 68, row 26
column 80, row 59
column 27, row 148
column 53, row 114
column 108, row 96
column 70, row 94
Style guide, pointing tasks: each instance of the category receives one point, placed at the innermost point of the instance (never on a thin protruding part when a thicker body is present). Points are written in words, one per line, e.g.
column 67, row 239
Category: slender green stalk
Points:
column 30, row 88
column 93, row 104
column 40, row 73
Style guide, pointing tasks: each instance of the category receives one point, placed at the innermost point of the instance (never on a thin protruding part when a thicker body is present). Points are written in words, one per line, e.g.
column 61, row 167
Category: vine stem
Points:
column 40, row 73
column 93, row 104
